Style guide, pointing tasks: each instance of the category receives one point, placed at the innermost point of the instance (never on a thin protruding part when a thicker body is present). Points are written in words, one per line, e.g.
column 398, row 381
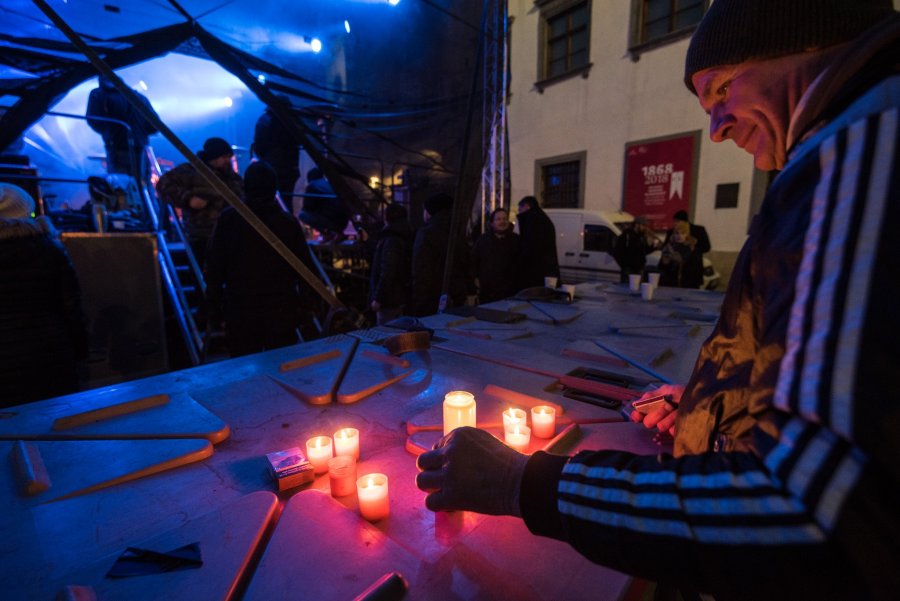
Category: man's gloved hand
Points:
column 471, row 470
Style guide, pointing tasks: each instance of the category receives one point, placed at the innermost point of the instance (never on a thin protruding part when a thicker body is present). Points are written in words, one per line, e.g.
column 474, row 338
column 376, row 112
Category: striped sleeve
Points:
column 819, row 499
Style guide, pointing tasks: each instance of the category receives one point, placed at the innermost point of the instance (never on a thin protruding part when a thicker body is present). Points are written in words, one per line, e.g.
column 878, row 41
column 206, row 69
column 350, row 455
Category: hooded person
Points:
column 42, row 328
column 391, row 265
column 430, row 257
column 261, row 298
column 184, row 187
column 537, row 244
column 785, row 475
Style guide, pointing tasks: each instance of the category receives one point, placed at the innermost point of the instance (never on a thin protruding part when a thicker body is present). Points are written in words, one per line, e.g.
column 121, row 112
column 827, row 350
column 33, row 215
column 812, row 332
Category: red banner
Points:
column 659, row 178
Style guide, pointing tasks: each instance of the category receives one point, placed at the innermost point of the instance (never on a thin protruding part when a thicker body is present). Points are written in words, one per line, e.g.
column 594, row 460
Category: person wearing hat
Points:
column 691, row 275
column 200, row 203
column 42, row 328
column 248, row 284
column 632, row 247
column 785, row 479
column 429, row 258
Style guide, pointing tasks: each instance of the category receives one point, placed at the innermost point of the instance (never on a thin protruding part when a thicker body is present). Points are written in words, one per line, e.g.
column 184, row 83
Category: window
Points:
column 659, row 21
column 598, row 238
column 560, row 181
column 565, row 38
column 727, row 196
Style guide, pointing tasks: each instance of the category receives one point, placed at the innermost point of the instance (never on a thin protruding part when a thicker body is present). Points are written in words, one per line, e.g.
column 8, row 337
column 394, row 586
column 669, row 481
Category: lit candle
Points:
column 318, row 451
column 543, row 421
column 372, row 490
column 342, row 475
column 513, row 416
column 518, row 437
column 346, row 442
column 459, row 410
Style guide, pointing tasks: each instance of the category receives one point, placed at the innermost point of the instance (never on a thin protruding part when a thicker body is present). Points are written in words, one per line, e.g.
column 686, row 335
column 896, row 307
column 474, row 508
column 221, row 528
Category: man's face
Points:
column 500, row 222
column 751, row 103
column 221, row 163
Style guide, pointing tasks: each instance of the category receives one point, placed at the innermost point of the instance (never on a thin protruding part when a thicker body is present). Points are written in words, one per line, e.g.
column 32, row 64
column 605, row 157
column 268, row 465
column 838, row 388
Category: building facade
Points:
column 599, row 118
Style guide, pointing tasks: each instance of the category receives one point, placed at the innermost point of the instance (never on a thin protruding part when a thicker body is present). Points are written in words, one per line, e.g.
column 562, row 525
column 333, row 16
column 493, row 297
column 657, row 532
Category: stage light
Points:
column 347, row 26
column 316, row 45
column 227, row 102
column 261, row 79
column 142, row 85
column 393, row 2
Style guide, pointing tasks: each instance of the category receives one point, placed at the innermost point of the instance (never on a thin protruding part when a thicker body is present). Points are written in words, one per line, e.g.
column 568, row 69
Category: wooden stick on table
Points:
column 307, row 361
column 110, row 411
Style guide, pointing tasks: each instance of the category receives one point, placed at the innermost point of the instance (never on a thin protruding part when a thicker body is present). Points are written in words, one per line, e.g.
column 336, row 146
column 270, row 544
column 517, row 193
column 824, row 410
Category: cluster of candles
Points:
column 338, row 458
column 459, row 410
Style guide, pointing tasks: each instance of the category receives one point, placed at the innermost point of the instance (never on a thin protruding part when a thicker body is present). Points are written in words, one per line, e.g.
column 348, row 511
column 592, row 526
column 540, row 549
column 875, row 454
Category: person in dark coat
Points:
column 249, row 284
column 429, row 258
column 274, row 143
column 495, row 258
column 632, row 247
column 679, row 254
column 199, row 202
column 692, row 270
column 323, row 210
column 537, row 238
column 107, row 102
column 392, row 265
column 42, row 328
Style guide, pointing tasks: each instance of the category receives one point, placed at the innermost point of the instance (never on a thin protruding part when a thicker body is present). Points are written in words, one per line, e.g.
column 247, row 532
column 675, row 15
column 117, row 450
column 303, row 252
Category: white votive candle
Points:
column 543, row 421
column 318, row 451
column 518, row 437
column 342, row 475
column 372, row 490
column 459, row 410
column 346, row 442
column 513, row 416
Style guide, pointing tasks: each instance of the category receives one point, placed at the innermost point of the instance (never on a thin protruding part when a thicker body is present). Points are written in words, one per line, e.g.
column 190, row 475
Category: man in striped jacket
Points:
column 786, row 480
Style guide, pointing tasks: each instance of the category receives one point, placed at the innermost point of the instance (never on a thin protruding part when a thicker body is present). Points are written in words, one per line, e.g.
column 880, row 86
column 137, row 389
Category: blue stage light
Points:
column 347, row 25
column 316, row 45
column 393, row 2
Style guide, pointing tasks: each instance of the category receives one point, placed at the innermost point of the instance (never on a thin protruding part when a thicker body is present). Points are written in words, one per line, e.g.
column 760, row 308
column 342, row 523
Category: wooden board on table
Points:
column 97, row 416
column 315, row 379
column 322, row 550
column 77, row 467
column 228, row 538
column 372, row 369
column 549, row 313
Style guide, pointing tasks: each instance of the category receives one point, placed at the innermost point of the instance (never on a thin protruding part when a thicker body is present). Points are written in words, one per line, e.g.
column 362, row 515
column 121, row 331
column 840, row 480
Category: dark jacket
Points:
column 676, row 265
column 786, row 444
column 323, row 209
column 537, row 241
column 631, row 250
column 429, row 257
column 177, row 186
column 392, row 266
column 106, row 101
column 258, row 293
column 42, row 327
column 496, row 265
column 691, row 271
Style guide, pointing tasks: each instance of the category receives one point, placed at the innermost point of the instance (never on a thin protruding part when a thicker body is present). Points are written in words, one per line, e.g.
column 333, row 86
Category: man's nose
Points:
column 720, row 124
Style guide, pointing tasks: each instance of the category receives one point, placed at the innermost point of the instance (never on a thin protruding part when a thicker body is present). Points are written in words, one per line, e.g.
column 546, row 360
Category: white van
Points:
column 585, row 241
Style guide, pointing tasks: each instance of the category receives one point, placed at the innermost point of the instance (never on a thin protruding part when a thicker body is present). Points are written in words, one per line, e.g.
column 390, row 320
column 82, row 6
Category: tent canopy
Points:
column 391, row 83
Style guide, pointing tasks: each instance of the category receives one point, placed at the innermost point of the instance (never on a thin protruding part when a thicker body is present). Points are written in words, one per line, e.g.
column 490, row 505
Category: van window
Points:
column 598, row 238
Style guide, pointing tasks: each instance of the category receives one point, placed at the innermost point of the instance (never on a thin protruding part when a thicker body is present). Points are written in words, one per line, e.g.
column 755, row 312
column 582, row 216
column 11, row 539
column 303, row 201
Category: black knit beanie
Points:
column 214, row 148
column 260, row 182
column 734, row 31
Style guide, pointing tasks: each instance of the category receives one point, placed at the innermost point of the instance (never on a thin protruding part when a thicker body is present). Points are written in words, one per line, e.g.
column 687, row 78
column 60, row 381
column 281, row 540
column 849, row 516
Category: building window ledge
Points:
column 582, row 71
column 634, row 52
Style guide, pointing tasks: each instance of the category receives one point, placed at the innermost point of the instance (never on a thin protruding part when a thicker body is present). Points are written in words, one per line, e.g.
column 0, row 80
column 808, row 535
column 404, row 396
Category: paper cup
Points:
column 634, row 282
column 653, row 277
column 647, row 291
column 550, row 282
column 570, row 290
